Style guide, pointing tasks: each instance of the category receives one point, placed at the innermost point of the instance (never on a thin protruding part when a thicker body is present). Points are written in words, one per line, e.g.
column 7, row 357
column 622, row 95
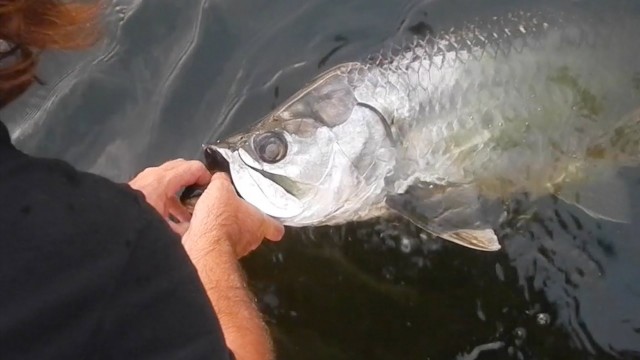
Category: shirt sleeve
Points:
column 89, row 270
column 159, row 308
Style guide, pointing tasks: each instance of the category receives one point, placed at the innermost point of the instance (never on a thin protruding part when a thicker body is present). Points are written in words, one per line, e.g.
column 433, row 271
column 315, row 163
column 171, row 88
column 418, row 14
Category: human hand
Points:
column 161, row 184
column 224, row 228
column 222, row 219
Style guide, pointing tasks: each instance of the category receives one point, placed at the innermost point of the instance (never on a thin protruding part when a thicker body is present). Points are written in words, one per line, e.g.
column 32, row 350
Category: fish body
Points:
column 440, row 129
column 513, row 107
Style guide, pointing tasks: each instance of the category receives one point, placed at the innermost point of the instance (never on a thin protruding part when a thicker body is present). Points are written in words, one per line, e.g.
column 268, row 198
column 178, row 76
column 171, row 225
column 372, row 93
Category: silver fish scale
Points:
column 513, row 103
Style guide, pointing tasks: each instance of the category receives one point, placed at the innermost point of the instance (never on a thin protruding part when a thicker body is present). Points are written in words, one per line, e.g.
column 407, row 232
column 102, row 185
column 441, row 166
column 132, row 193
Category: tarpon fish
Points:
column 441, row 129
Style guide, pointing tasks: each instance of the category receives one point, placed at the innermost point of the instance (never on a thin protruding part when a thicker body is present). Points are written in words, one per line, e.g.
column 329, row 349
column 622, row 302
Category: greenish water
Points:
column 174, row 75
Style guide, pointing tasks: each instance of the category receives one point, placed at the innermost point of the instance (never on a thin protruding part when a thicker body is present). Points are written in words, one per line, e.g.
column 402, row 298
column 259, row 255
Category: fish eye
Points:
column 270, row 146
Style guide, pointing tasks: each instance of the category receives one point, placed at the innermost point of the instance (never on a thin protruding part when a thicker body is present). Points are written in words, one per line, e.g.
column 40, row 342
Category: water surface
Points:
column 176, row 74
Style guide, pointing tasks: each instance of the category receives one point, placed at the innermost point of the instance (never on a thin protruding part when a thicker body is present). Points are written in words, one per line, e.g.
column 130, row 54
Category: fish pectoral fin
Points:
column 455, row 213
column 479, row 239
column 603, row 196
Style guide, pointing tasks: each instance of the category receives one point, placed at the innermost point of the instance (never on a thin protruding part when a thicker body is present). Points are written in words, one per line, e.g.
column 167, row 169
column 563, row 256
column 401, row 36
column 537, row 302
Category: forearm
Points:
column 245, row 332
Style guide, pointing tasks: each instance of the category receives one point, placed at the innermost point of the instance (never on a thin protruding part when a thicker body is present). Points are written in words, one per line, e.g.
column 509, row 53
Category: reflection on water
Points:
column 178, row 74
column 387, row 289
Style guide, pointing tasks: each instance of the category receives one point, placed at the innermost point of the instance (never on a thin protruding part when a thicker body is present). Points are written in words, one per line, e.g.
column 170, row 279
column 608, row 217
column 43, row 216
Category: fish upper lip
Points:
column 215, row 161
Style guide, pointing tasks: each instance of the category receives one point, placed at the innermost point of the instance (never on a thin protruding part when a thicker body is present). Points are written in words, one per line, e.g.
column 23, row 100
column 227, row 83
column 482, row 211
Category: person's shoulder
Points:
column 94, row 255
column 52, row 193
column 85, row 186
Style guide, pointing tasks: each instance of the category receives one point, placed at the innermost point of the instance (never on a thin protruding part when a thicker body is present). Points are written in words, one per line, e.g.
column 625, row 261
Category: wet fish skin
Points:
column 438, row 131
column 461, row 101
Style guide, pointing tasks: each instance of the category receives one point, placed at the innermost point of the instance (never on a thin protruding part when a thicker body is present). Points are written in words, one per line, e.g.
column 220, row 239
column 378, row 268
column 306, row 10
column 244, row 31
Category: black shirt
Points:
column 89, row 270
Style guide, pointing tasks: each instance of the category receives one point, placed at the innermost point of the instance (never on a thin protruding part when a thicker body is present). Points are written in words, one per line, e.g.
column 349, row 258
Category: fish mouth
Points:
column 250, row 182
column 215, row 161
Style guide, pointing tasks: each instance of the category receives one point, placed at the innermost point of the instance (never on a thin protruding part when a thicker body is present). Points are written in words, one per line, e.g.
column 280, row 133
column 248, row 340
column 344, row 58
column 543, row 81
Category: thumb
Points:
column 272, row 229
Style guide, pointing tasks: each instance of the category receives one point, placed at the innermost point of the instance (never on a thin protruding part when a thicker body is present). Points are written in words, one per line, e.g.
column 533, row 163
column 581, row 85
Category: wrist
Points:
column 203, row 247
column 217, row 265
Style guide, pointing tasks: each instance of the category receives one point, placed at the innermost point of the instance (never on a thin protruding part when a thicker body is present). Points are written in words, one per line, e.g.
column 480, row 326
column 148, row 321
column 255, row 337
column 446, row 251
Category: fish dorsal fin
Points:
column 455, row 213
column 603, row 196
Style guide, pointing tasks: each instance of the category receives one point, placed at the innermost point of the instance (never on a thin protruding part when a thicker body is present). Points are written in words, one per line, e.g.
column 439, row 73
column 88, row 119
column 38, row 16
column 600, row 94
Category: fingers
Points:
column 220, row 211
column 174, row 175
column 175, row 208
column 220, row 190
column 273, row 230
column 185, row 173
column 224, row 180
column 179, row 228
column 161, row 184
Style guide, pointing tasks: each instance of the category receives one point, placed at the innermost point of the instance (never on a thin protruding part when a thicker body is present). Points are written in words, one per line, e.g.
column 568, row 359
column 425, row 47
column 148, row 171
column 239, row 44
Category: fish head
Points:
column 309, row 160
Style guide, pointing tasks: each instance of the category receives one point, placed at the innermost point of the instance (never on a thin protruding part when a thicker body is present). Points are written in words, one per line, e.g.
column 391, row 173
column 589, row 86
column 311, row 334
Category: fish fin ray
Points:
column 478, row 239
column 455, row 213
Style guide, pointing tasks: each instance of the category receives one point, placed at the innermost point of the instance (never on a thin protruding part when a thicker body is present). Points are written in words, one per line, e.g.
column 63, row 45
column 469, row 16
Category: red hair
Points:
column 30, row 26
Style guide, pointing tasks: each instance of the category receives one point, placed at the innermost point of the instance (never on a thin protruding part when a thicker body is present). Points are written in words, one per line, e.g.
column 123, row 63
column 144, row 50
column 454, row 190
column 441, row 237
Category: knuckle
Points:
column 173, row 162
column 196, row 165
column 149, row 171
column 199, row 165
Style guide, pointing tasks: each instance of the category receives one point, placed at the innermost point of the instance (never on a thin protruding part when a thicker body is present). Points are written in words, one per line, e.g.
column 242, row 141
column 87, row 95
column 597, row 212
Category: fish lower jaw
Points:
column 341, row 218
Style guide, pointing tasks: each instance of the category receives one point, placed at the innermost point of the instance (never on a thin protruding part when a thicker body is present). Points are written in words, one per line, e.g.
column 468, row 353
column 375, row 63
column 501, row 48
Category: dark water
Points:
column 176, row 74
